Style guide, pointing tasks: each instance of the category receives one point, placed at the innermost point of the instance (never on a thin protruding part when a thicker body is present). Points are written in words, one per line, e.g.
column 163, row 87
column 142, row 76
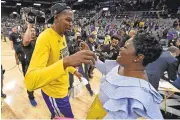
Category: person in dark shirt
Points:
column 111, row 51
column 16, row 45
column 176, row 52
column 15, row 37
column 166, row 62
column 28, row 46
column 92, row 46
column 165, row 32
column 15, row 40
column 178, row 46
column 75, row 46
column 91, row 43
column 84, row 35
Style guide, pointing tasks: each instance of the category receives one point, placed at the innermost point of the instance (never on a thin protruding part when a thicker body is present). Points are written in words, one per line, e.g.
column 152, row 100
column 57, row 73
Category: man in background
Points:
column 29, row 41
column 111, row 51
column 75, row 46
column 15, row 41
column 166, row 62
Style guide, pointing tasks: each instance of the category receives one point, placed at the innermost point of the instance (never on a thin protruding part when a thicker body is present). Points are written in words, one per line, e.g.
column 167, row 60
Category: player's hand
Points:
column 78, row 75
column 84, row 56
column 84, row 46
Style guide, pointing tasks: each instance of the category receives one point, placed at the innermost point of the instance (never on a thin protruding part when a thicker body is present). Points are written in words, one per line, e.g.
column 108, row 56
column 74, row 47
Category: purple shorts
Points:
column 58, row 106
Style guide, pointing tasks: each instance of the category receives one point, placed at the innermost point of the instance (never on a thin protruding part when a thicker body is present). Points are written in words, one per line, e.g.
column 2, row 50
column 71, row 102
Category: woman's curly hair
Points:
column 147, row 45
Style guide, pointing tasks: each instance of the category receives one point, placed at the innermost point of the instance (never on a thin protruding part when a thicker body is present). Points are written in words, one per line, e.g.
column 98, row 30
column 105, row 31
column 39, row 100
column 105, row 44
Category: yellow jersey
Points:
column 46, row 68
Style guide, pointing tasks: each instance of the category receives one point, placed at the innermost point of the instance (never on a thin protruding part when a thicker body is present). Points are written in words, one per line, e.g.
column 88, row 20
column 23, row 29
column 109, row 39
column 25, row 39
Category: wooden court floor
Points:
column 17, row 106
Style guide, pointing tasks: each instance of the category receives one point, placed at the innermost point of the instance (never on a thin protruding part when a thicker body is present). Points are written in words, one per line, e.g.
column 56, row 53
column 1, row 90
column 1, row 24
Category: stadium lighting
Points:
column 3, row 1
column 105, row 9
column 37, row 4
column 80, row 0
column 19, row 4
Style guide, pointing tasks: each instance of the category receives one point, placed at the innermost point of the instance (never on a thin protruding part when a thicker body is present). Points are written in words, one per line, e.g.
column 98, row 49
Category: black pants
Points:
column 90, row 70
column 30, row 95
column 23, row 63
column 24, row 69
column 1, row 83
column 85, row 75
column 2, row 77
column 71, row 80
